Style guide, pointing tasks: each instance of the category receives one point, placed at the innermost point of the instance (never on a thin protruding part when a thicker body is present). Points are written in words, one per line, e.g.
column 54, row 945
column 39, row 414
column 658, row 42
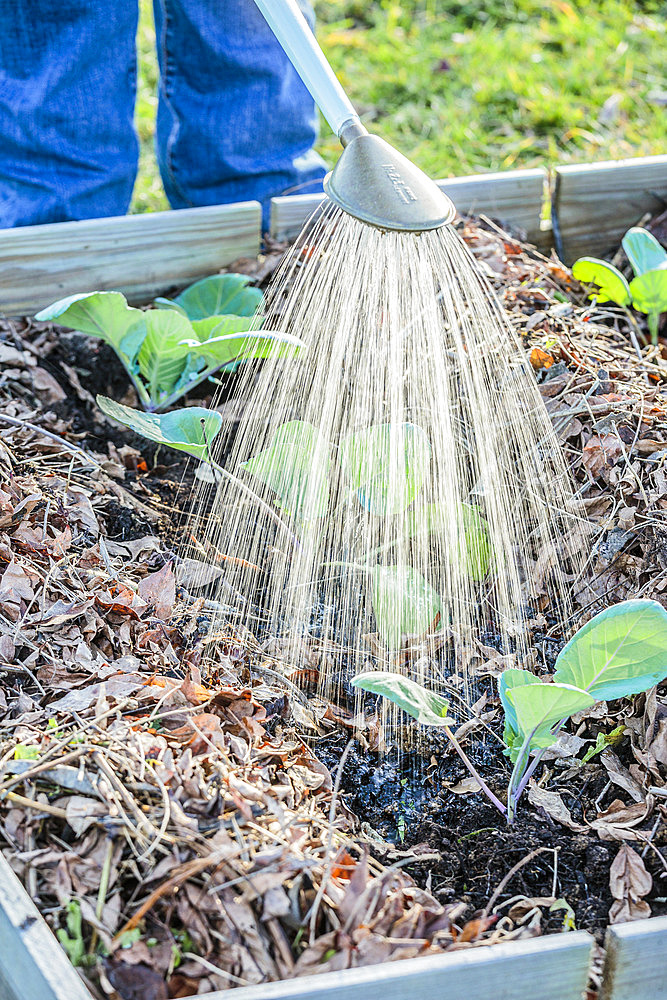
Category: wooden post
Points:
column 634, row 966
column 595, row 203
column 33, row 966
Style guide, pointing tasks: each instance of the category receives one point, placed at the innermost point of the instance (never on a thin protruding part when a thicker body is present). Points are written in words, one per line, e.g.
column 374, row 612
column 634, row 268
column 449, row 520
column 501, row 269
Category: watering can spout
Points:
column 371, row 181
column 378, row 185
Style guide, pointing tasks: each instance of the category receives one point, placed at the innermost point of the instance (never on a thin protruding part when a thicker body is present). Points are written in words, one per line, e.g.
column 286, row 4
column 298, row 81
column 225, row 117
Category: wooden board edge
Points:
column 618, row 946
column 32, row 963
column 433, row 978
column 639, row 163
column 116, row 225
column 139, row 255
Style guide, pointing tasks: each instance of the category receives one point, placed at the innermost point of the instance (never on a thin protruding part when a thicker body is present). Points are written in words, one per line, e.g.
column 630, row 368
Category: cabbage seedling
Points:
column 620, row 652
column 382, row 471
column 169, row 350
column 647, row 292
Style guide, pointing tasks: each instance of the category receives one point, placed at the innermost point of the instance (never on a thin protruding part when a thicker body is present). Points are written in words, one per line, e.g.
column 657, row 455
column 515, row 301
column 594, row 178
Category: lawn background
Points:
column 464, row 88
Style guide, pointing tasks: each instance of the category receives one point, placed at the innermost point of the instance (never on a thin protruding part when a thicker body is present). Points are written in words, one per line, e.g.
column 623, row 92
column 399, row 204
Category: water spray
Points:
column 371, row 181
column 407, row 445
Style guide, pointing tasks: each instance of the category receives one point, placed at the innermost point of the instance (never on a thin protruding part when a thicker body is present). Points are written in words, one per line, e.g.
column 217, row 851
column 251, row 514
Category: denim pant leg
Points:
column 234, row 121
column 68, row 149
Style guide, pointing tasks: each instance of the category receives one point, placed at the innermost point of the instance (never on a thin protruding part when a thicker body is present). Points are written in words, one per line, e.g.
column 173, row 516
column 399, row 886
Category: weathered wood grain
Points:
column 515, row 197
column 33, row 966
column 547, row 968
column 634, row 967
column 594, row 204
column 140, row 255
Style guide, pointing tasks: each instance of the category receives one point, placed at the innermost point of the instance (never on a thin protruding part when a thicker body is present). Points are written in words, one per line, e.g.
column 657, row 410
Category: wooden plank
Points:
column 634, row 966
column 594, row 204
column 140, row 255
column 33, row 966
column 515, row 197
column 545, row 968
column 289, row 213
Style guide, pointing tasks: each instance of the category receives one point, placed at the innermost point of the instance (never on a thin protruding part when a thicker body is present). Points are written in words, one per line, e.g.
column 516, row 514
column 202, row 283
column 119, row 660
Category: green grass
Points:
column 480, row 85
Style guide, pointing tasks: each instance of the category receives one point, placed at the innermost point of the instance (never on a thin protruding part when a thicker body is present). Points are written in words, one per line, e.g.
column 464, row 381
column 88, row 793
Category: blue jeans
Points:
column 234, row 120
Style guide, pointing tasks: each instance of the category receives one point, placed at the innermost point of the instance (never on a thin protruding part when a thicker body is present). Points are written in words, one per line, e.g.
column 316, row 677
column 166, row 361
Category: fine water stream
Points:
column 407, row 451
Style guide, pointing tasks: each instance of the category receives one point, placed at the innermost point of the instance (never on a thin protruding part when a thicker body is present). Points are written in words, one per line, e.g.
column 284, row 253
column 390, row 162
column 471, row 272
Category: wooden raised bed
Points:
column 33, row 967
column 145, row 255
column 591, row 206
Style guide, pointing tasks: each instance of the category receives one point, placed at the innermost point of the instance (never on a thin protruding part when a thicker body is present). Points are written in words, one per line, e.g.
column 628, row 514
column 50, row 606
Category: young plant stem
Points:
column 635, row 333
column 653, row 323
column 102, row 892
column 474, row 772
column 174, row 396
column 143, row 397
column 533, row 764
column 209, row 453
column 262, row 504
column 528, row 775
column 209, row 371
column 517, row 774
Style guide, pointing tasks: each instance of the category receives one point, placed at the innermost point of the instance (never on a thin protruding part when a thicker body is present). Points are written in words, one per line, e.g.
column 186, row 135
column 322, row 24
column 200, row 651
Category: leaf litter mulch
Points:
column 186, row 829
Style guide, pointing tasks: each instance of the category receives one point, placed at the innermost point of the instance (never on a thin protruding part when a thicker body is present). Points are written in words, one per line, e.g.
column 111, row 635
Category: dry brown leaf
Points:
column 621, row 776
column 629, row 882
column 464, row 787
column 202, row 733
column 159, row 590
column 16, row 585
column 192, row 574
column 601, row 452
column 618, row 820
column 136, row 982
column 113, row 687
column 553, row 806
column 540, row 359
column 567, row 745
column 45, row 383
column 83, row 812
column 275, row 903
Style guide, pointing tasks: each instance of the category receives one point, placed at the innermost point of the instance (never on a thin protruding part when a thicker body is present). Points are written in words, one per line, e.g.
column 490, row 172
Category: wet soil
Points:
column 404, row 799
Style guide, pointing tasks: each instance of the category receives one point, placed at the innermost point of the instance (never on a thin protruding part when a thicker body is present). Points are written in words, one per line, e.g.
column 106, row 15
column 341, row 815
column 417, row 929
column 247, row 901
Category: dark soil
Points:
column 404, row 800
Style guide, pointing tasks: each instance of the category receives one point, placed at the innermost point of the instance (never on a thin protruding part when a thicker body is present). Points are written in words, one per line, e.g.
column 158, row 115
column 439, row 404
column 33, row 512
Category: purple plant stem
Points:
column 473, row 770
column 530, row 770
column 527, row 776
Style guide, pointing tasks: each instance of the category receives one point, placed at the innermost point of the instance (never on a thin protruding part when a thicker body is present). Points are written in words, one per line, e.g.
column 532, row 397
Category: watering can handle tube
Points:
column 293, row 32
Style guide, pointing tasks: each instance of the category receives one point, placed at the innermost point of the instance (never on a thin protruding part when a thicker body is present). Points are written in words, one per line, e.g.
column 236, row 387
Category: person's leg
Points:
column 68, row 149
column 234, row 121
